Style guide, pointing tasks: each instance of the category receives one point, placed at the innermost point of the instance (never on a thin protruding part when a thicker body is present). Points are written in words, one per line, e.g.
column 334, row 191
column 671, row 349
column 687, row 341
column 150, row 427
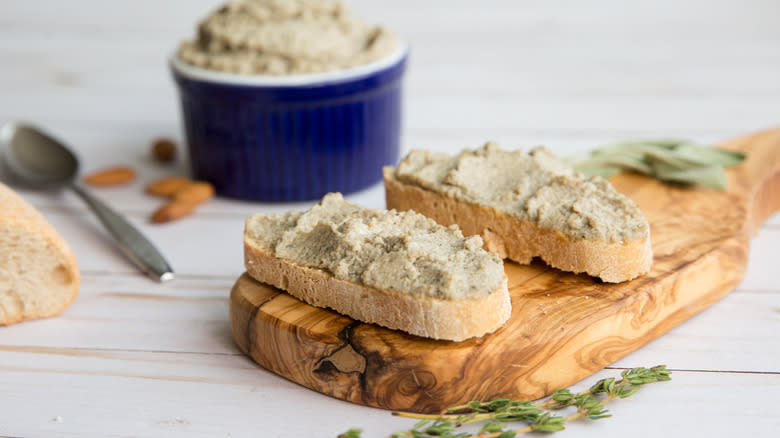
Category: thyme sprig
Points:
column 674, row 161
column 495, row 414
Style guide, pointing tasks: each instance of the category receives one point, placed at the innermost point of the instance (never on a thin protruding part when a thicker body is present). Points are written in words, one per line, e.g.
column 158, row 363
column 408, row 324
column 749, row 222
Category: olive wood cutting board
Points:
column 563, row 327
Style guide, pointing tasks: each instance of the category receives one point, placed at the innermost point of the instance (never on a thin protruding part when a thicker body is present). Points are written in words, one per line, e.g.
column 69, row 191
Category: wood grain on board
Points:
column 563, row 327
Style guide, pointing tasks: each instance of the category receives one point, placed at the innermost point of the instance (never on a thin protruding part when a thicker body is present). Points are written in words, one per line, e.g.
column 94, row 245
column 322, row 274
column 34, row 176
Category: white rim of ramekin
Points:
column 201, row 74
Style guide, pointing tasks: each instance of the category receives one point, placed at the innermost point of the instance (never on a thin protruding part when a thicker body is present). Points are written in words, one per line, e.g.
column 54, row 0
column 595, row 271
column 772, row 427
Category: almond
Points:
column 172, row 211
column 194, row 193
column 111, row 176
column 168, row 186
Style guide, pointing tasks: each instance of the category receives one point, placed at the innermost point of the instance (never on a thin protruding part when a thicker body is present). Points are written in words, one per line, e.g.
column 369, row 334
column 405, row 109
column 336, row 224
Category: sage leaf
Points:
column 624, row 161
column 668, row 160
column 723, row 157
column 710, row 176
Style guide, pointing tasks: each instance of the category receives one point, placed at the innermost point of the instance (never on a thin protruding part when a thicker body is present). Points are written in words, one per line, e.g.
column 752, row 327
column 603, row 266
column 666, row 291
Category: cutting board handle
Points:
column 758, row 177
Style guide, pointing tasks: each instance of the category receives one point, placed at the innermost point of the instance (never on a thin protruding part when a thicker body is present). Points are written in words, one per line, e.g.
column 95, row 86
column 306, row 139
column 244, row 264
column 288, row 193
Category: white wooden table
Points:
column 134, row 358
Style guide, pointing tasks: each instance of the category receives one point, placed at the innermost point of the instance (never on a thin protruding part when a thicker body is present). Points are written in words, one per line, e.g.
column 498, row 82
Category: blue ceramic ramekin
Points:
column 292, row 138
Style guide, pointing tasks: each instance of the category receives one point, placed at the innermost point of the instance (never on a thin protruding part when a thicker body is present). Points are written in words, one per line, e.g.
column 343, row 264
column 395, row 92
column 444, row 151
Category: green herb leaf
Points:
column 537, row 416
column 710, row 176
column 352, row 433
column 548, row 423
column 420, row 424
column 603, row 171
column 706, row 155
column 492, row 427
column 672, row 161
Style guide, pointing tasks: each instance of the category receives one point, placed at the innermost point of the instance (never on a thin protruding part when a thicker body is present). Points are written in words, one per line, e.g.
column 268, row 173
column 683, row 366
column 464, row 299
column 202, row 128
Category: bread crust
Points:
column 48, row 280
column 520, row 240
column 454, row 320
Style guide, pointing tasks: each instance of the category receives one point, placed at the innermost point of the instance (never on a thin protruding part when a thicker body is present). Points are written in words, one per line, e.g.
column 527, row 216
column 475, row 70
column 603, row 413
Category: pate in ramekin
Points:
column 297, row 100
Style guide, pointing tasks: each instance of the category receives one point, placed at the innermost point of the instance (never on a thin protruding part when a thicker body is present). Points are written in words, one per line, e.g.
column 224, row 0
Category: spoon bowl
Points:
column 38, row 160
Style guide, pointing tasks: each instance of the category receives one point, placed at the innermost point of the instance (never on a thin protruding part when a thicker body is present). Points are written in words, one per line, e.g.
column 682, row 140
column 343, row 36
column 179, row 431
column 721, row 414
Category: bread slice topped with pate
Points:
column 527, row 205
column 400, row 270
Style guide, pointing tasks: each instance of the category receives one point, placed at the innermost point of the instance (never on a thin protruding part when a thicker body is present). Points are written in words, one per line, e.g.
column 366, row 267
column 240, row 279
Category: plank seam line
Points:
column 182, row 276
column 556, row 132
column 756, row 290
column 684, row 370
column 63, row 210
column 48, row 350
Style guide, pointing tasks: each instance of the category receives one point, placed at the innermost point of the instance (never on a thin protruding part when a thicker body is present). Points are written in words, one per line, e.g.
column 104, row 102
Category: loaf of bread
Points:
column 525, row 206
column 38, row 273
column 398, row 270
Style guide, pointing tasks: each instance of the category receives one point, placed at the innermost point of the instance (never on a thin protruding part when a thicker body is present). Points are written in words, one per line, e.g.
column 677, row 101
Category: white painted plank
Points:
column 725, row 337
column 153, row 394
column 132, row 313
column 484, row 117
column 750, row 20
column 191, row 316
column 545, row 69
column 711, row 72
column 98, row 149
column 455, row 119
column 217, row 229
column 104, row 394
column 219, row 237
column 197, row 245
column 762, row 259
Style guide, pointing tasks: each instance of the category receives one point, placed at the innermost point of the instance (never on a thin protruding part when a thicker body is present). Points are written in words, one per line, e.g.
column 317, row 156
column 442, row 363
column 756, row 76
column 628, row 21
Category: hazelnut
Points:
column 164, row 150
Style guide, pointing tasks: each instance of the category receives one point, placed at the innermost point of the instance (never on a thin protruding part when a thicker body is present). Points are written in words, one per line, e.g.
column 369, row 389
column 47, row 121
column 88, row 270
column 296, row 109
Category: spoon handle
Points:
column 131, row 241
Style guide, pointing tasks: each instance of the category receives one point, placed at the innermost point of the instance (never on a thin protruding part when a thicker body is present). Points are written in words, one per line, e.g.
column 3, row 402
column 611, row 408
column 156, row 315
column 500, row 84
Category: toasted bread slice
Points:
column 525, row 206
column 398, row 270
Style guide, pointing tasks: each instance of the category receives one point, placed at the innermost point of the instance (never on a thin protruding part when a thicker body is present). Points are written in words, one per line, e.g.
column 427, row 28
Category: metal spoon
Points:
column 40, row 161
